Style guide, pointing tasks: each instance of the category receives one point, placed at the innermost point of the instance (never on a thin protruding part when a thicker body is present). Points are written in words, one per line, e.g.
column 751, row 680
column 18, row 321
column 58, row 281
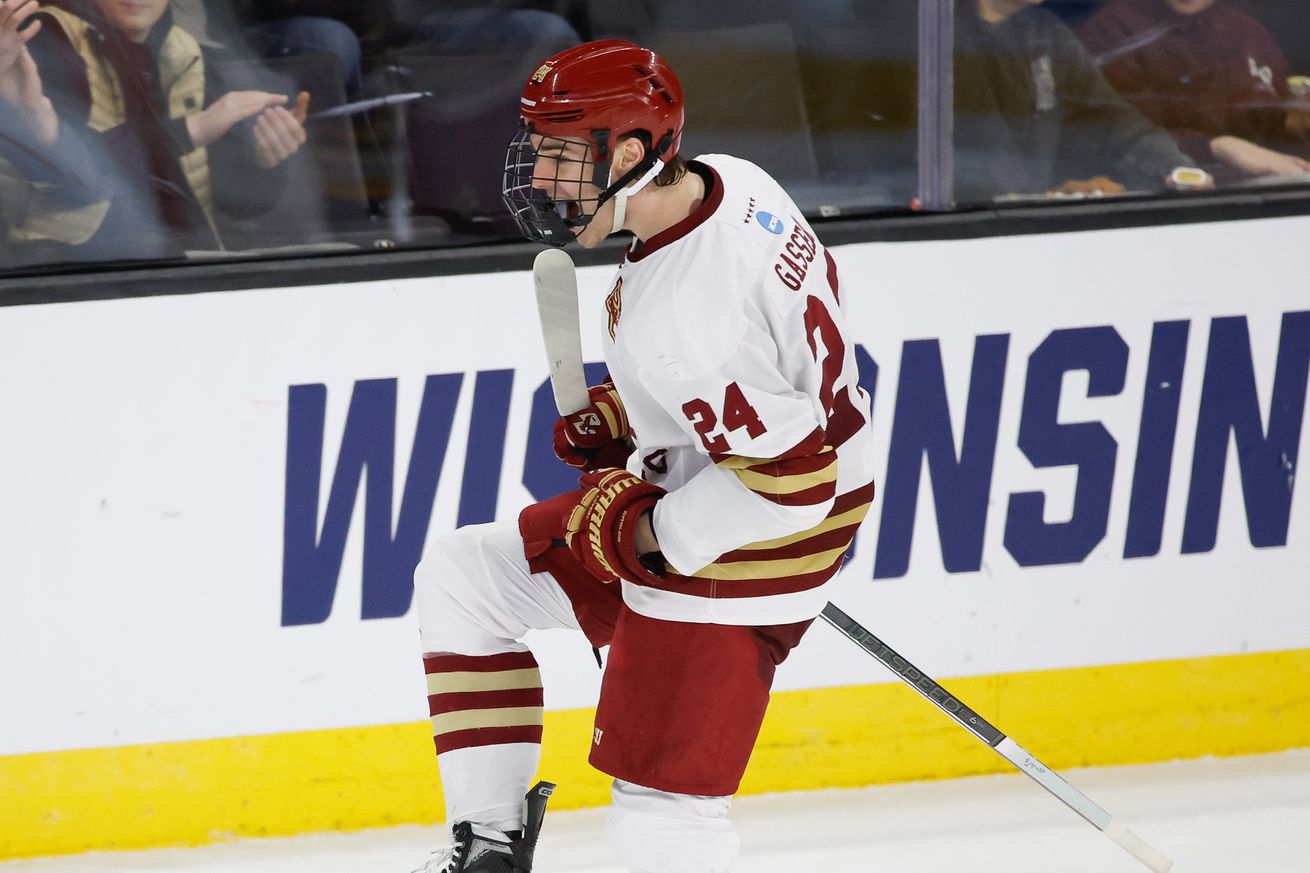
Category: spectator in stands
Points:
column 1033, row 112
column 120, row 74
column 274, row 29
column 472, row 58
column 48, row 187
column 470, row 25
column 640, row 19
column 20, row 82
column 1207, row 72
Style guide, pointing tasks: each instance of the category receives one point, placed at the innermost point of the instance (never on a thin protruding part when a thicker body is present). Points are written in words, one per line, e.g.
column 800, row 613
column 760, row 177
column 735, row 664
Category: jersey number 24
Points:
column 737, row 410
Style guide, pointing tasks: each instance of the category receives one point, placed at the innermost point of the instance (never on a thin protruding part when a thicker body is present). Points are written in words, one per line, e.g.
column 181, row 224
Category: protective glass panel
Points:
column 820, row 93
column 174, row 130
column 202, row 129
column 1071, row 99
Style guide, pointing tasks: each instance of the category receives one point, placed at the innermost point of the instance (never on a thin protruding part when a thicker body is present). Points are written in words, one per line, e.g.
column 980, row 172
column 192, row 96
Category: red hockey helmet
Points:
column 594, row 94
column 603, row 90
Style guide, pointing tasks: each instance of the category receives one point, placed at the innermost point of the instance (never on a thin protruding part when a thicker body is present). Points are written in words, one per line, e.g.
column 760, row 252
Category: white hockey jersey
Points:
column 728, row 348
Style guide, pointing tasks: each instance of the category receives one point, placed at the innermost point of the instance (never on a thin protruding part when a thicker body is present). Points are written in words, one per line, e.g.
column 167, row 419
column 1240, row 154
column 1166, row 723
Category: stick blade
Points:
column 556, row 282
column 1083, row 805
column 1138, row 848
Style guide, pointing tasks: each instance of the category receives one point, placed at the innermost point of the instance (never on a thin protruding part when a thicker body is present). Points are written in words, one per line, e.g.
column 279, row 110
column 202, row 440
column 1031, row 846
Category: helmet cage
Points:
column 540, row 218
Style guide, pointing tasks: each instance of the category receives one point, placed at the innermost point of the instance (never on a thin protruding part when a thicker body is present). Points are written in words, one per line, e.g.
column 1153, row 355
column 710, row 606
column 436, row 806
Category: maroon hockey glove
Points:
column 597, row 436
column 601, row 531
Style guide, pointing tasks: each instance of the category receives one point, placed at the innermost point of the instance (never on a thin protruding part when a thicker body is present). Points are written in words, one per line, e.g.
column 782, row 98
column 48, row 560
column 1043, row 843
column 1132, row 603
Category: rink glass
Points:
column 409, row 113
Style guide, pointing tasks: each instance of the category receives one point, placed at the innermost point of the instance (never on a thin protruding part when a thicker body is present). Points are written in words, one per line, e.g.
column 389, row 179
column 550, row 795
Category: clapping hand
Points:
column 280, row 132
column 13, row 39
column 20, row 82
column 212, row 123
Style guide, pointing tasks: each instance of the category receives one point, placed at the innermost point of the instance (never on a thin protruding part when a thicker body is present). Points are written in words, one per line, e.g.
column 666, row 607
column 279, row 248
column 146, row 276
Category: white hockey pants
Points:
column 476, row 596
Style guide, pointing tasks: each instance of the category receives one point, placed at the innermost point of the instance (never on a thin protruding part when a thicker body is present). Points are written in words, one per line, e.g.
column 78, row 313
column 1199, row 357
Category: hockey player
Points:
column 727, row 465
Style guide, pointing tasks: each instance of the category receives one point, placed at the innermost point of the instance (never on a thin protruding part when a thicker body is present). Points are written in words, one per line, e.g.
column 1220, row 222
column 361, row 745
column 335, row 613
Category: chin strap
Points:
column 647, row 169
column 621, row 196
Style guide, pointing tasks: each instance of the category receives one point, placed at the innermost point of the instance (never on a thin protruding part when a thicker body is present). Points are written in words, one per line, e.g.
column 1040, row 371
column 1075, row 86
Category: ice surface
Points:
column 1233, row 815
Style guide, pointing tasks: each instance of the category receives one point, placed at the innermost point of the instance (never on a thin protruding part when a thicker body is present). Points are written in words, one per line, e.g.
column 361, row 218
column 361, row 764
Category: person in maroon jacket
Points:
column 1208, row 73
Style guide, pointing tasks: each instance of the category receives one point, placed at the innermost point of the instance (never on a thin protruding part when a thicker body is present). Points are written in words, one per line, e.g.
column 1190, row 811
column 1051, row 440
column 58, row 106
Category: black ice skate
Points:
column 477, row 849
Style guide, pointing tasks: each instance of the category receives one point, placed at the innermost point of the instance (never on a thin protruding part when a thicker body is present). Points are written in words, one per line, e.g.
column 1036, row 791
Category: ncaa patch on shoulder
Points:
column 770, row 222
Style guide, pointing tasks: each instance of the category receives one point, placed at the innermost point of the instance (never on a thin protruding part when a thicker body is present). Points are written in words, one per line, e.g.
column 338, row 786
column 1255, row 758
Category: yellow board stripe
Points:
column 190, row 793
column 471, row 680
column 474, row 719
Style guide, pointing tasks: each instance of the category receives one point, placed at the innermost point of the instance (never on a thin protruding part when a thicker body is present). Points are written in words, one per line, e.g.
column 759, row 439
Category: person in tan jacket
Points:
column 49, row 190
column 180, row 149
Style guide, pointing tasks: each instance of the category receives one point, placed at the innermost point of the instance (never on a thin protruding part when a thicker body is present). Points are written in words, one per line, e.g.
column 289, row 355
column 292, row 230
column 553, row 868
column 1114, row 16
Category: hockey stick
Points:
column 556, row 284
column 557, row 304
column 1000, row 743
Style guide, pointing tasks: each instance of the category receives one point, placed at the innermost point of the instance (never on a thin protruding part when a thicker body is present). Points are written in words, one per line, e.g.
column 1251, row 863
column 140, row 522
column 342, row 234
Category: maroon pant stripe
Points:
column 478, row 663
column 494, row 736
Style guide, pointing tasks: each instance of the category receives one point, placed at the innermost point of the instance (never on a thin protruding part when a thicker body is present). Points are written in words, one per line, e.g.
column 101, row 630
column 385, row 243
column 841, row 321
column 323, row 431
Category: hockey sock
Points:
column 486, row 723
